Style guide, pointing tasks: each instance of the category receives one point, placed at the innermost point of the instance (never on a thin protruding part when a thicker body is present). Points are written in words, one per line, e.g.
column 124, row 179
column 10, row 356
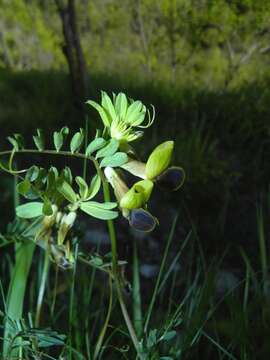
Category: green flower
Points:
column 137, row 196
column 157, row 168
column 123, row 118
column 133, row 201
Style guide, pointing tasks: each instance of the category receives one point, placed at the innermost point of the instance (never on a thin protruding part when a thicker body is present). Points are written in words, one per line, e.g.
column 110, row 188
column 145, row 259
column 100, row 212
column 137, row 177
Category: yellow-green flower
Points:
column 122, row 117
column 157, row 168
column 133, row 201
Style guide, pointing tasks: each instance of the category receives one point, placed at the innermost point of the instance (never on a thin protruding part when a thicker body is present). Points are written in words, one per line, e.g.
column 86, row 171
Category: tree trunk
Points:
column 73, row 51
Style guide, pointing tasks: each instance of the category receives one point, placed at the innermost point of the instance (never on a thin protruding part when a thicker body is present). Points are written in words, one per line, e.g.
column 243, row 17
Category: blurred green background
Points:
column 204, row 65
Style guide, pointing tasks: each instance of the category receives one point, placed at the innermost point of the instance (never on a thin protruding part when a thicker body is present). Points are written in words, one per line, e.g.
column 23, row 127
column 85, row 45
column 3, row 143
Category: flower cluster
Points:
column 121, row 119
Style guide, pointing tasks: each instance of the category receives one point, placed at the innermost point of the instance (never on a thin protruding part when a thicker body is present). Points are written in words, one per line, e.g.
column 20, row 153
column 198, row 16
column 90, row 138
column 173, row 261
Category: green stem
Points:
column 136, row 293
column 48, row 152
column 105, row 326
column 112, row 235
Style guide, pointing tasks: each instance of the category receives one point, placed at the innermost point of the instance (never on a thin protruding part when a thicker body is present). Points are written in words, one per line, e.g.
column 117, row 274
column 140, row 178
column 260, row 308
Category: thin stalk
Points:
column 136, row 293
column 162, row 266
column 54, row 291
column 262, row 248
column 105, row 326
column 45, row 271
column 72, row 300
column 112, row 234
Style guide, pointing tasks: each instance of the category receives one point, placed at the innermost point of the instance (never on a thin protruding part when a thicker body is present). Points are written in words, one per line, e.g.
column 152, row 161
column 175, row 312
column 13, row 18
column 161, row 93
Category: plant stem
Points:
column 112, row 234
column 103, row 331
column 136, row 293
column 45, row 272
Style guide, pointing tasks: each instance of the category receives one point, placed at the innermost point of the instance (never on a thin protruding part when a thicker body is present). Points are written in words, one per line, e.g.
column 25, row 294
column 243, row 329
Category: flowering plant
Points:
column 55, row 198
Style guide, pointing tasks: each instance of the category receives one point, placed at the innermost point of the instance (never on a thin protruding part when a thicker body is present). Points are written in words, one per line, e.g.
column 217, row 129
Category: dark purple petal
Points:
column 142, row 220
column 171, row 179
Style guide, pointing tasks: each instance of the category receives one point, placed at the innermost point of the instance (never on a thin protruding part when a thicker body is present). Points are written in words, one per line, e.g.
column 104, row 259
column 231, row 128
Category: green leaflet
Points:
column 99, row 210
column 94, row 187
column 47, row 208
column 95, row 145
column 83, row 187
column 23, row 187
column 32, row 173
column 16, row 141
column 66, row 190
column 39, row 140
column 109, row 149
column 59, row 137
column 77, row 141
column 29, row 210
column 118, row 159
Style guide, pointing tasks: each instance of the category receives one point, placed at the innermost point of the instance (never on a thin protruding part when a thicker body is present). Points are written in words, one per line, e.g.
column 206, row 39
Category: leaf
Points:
column 39, row 140
column 59, row 137
column 76, row 141
column 66, row 190
column 32, row 173
column 67, row 174
column 13, row 142
column 101, row 111
column 94, row 187
column 58, row 140
column 107, row 205
column 152, row 338
column 169, row 335
column 47, row 208
column 16, row 141
column 83, row 187
column 29, row 210
column 98, row 210
column 118, row 159
column 109, row 149
column 23, row 187
column 51, row 178
column 96, row 261
column 95, row 145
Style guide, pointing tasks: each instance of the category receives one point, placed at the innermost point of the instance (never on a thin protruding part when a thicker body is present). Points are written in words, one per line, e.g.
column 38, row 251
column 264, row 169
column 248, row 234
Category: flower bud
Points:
column 137, row 196
column 159, row 160
column 66, row 224
column 118, row 185
column 49, row 220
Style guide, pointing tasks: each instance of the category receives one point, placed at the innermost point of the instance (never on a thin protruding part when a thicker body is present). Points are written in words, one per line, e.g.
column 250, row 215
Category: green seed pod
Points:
column 159, row 160
column 138, row 195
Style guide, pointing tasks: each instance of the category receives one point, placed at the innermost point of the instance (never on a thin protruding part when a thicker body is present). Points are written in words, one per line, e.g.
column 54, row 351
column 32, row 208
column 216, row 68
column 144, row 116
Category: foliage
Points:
column 54, row 203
